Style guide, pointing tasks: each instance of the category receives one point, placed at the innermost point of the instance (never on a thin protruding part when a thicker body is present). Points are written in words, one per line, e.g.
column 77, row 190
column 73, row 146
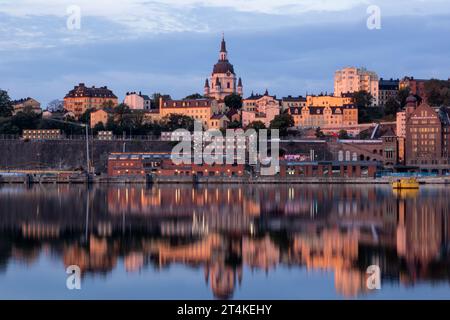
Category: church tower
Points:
column 223, row 80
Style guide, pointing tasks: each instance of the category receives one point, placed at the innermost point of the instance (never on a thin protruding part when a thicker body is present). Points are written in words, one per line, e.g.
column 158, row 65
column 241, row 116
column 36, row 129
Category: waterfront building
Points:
column 26, row 104
column 258, row 107
column 427, row 137
column 42, row 134
column 351, row 79
column 137, row 101
column 342, row 169
column 82, row 98
column 161, row 164
column 387, row 89
column 223, row 80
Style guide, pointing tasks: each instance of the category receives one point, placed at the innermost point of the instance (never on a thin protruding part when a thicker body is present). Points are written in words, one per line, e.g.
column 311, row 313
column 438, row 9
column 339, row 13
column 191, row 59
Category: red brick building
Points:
column 142, row 164
column 427, row 137
column 323, row 169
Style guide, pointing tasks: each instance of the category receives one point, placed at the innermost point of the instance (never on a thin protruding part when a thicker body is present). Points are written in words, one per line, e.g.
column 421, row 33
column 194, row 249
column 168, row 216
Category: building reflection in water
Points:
column 225, row 230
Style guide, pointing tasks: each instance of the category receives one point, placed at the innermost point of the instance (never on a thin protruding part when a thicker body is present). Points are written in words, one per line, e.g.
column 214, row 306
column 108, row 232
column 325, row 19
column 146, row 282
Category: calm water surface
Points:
column 236, row 242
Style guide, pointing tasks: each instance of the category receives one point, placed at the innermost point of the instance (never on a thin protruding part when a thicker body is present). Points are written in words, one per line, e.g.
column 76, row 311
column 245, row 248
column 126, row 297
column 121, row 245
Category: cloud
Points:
column 105, row 20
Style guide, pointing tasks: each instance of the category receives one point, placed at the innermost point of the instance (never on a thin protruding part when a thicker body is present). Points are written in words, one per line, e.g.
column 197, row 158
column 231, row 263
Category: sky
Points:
column 290, row 47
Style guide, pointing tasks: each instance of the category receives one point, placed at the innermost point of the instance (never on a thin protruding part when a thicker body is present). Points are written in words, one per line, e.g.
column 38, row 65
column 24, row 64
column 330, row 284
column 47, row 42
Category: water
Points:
column 236, row 242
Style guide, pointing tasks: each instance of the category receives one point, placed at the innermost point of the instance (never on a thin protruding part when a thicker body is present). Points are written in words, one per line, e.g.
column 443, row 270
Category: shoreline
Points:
column 83, row 179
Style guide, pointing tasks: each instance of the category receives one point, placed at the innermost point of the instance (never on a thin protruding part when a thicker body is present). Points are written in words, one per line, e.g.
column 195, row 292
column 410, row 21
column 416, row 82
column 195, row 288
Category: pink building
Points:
column 262, row 108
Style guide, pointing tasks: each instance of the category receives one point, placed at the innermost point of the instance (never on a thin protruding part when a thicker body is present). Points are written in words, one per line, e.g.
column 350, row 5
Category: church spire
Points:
column 223, row 49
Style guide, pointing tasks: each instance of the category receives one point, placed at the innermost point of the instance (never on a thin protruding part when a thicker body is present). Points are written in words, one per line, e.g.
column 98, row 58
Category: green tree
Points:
column 438, row 92
column 392, row 107
column 282, row 122
column 108, row 104
column 235, row 125
column 6, row 108
column 343, row 134
column 233, row 101
column 256, row 125
column 174, row 121
column 319, row 133
column 363, row 99
column 86, row 116
column 98, row 127
column 26, row 119
column 194, row 96
column 402, row 95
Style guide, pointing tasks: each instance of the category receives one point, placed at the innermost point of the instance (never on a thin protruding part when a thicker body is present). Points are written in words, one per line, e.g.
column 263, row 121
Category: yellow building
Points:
column 82, row 98
column 201, row 110
column 328, row 101
column 312, row 116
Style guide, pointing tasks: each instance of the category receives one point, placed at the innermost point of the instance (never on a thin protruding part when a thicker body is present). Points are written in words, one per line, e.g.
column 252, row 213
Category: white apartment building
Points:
column 351, row 79
column 138, row 101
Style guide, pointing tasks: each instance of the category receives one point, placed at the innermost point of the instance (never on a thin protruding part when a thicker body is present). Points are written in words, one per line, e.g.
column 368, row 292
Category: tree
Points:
column 438, row 92
column 55, row 106
column 108, row 104
column 282, row 122
column 256, row 125
column 392, row 107
column 26, row 119
column 363, row 99
column 233, row 101
column 86, row 116
column 177, row 121
column 99, row 127
column 343, row 134
column 194, row 96
column 402, row 95
column 235, row 125
column 319, row 133
column 6, row 108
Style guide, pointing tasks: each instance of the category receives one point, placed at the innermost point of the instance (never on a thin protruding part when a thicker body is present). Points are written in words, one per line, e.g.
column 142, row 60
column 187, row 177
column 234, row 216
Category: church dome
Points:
column 223, row 66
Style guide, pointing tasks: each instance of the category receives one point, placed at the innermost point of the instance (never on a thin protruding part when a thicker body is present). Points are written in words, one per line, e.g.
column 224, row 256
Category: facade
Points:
column 223, row 80
column 160, row 164
column 218, row 121
column 329, row 101
column 200, row 109
column 50, row 134
column 328, row 169
column 82, row 98
column 292, row 102
column 427, row 137
column 26, row 104
column 387, row 89
column 416, row 86
column 262, row 108
column 105, row 135
column 137, row 101
column 100, row 116
column 312, row 116
column 351, row 79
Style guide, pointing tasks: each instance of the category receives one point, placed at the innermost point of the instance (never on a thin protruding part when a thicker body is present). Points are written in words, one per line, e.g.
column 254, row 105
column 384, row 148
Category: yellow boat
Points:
column 410, row 183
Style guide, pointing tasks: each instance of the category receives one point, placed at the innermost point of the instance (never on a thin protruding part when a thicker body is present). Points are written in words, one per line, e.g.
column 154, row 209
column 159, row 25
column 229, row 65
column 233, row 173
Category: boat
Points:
column 410, row 183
